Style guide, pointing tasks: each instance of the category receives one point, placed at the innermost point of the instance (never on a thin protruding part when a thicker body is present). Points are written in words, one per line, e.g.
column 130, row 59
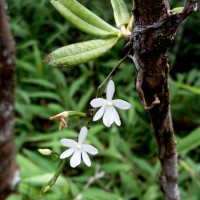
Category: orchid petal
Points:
column 82, row 135
column 86, row 158
column 76, row 158
column 121, row 104
column 98, row 102
column 108, row 117
column 89, row 149
column 116, row 116
column 99, row 113
column 67, row 153
column 110, row 90
column 68, row 143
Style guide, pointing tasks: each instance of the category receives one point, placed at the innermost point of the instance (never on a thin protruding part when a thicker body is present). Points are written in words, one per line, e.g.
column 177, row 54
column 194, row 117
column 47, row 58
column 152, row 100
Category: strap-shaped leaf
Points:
column 81, row 18
column 87, row 16
column 82, row 52
column 121, row 13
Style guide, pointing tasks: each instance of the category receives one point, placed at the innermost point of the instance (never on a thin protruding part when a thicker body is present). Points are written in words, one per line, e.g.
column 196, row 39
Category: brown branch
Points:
column 154, row 30
column 9, row 174
column 189, row 7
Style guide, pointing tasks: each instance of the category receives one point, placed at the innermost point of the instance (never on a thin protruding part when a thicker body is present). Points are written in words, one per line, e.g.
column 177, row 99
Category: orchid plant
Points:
column 82, row 52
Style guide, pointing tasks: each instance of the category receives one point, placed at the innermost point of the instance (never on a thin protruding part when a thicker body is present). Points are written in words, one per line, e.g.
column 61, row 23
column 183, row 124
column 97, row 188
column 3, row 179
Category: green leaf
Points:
column 151, row 193
column 15, row 197
column 82, row 52
column 39, row 82
column 188, row 87
column 142, row 164
column 26, row 44
column 54, row 108
column 38, row 60
column 83, row 19
column 50, row 136
column 121, row 13
column 114, row 167
column 189, row 142
column 76, row 85
column 25, row 164
column 87, row 16
column 24, row 65
column 45, row 95
column 40, row 180
column 132, row 186
column 95, row 193
column 34, row 156
column 84, row 100
column 59, row 79
column 29, row 111
column 22, row 95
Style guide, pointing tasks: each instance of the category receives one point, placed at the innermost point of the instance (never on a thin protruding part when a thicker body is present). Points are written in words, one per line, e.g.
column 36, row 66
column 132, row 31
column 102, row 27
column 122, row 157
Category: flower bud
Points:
column 46, row 189
column 45, row 152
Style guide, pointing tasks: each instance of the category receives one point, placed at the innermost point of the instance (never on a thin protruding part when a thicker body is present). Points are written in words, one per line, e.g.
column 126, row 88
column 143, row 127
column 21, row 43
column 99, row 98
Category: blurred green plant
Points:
column 127, row 154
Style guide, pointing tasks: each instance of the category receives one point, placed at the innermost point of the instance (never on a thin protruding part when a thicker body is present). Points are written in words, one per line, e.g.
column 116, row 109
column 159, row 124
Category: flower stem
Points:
column 54, row 178
column 111, row 74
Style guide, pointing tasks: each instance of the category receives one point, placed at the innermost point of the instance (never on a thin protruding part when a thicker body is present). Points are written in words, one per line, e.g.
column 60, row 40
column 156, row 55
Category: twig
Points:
column 98, row 175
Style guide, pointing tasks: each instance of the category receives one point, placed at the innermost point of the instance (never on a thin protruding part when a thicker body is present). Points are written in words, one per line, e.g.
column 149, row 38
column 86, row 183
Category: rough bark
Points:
column 8, row 168
column 154, row 29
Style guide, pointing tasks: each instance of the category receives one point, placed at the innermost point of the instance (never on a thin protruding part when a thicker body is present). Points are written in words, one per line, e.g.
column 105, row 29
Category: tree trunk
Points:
column 9, row 174
column 154, row 29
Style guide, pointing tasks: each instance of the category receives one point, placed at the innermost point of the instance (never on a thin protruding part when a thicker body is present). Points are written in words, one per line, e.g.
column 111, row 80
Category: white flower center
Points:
column 109, row 104
column 79, row 146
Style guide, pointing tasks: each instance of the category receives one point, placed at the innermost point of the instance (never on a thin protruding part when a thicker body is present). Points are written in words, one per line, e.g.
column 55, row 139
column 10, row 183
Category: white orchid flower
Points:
column 107, row 110
column 78, row 149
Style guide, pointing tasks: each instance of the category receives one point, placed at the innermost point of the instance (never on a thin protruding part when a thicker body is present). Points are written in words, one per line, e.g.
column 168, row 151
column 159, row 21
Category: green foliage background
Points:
column 128, row 153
